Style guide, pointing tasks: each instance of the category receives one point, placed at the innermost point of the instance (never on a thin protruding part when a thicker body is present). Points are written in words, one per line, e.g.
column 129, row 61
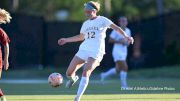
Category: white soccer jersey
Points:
column 119, row 51
column 95, row 33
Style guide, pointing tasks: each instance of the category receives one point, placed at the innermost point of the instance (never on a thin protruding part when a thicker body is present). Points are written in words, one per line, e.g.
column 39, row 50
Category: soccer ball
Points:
column 55, row 79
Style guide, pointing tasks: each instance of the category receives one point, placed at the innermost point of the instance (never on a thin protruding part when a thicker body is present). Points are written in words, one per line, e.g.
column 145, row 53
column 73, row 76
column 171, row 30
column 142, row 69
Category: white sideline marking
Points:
column 36, row 81
column 30, row 81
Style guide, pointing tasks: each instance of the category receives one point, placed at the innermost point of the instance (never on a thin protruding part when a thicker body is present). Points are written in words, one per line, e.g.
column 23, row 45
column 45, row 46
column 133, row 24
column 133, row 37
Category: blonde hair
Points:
column 4, row 16
column 96, row 4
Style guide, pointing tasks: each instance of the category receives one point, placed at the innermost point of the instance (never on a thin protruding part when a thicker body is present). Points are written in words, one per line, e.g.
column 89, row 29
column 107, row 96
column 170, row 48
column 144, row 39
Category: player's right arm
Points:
column 76, row 38
column 118, row 29
column 121, row 41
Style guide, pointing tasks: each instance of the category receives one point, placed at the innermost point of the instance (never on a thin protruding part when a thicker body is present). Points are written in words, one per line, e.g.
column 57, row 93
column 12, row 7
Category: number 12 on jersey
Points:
column 91, row 35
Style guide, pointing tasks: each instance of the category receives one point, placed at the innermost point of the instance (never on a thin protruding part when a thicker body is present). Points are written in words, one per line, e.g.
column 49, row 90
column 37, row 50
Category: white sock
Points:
column 110, row 72
column 82, row 86
column 123, row 76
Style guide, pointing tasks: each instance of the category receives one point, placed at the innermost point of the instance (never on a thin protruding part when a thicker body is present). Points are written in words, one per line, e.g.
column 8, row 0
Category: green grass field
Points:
column 152, row 90
column 149, row 87
column 102, row 97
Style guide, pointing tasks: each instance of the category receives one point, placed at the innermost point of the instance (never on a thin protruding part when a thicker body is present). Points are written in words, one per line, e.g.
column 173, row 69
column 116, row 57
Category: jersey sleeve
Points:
column 3, row 37
column 82, row 31
column 107, row 22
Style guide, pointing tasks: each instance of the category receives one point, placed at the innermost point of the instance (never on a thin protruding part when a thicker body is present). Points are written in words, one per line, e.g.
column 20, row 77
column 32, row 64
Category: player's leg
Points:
column 75, row 64
column 115, row 70
column 0, row 72
column 1, row 65
column 89, row 67
column 111, row 71
column 122, row 67
column 2, row 97
column 108, row 73
column 1, row 93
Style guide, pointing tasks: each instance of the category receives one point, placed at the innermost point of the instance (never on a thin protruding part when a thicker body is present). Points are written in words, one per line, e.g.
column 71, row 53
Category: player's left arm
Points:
column 76, row 38
column 121, row 41
column 118, row 29
column 6, row 56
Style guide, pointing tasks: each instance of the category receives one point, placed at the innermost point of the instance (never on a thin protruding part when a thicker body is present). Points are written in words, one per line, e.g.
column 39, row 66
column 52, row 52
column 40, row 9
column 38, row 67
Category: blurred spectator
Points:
column 119, row 53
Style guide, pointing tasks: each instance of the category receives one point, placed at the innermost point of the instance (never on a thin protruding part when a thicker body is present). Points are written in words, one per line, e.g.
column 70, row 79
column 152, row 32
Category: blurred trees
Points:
column 143, row 8
column 129, row 8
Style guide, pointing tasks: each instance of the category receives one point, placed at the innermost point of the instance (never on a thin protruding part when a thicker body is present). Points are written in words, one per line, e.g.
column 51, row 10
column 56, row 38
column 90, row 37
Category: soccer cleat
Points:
column 3, row 98
column 124, row 84
column 71, row 82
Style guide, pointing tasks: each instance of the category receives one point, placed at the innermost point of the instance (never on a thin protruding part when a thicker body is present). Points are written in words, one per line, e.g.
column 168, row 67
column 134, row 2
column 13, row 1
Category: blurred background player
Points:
column 92, row 49
column 4, row 39
column 119, row 53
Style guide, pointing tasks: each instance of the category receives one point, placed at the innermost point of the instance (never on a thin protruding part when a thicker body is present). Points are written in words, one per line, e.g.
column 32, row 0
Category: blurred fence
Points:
column 26, row 34
column 160, row 44
column 34, row 42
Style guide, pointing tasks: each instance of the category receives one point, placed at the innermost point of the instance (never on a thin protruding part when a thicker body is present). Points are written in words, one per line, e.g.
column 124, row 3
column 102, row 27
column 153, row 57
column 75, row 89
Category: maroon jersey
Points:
column 3, row 39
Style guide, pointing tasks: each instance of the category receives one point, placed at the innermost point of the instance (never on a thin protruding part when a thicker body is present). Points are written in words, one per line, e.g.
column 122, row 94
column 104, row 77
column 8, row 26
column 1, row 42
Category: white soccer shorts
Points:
column 83, row 54
column 119, row 56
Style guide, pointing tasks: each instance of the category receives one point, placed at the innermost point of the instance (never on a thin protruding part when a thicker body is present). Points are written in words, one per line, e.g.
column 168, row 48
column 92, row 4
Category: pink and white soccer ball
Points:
column 55, row 79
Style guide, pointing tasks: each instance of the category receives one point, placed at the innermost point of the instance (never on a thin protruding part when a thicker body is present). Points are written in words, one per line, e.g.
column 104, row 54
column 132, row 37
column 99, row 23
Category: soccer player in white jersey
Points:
column 92, row 49
column 119, row 53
